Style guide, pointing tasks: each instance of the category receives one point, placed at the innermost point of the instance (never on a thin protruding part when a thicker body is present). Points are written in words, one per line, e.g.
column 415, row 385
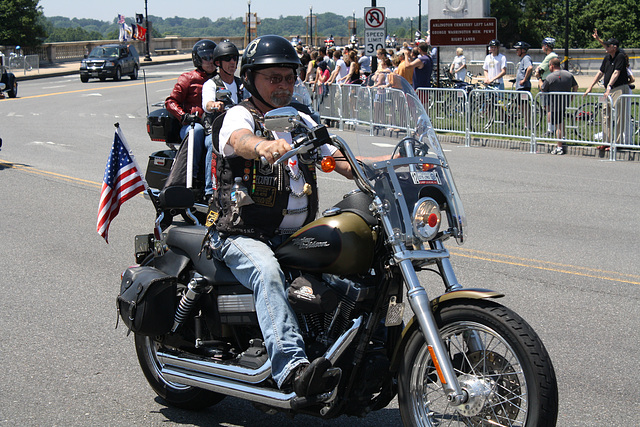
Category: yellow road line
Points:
column 93, row 89
column 32, row 170
column 461, row 252
column 547, row 266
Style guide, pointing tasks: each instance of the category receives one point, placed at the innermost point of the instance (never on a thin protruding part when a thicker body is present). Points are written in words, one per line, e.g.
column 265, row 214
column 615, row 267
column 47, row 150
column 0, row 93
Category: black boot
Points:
column 310, row 380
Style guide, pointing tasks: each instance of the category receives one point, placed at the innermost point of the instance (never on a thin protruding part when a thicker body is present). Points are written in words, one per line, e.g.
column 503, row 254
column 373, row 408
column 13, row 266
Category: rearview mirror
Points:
column 223, row 94
column 281, row 119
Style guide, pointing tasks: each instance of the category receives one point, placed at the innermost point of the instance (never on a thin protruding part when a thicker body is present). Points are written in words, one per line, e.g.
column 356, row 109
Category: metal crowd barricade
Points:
column 447, row 109
column 354, row 98
column 389, row 110
column 584, row 119
column 626, row 122
column 507, row 113
column 580, row 117
column 329, row 101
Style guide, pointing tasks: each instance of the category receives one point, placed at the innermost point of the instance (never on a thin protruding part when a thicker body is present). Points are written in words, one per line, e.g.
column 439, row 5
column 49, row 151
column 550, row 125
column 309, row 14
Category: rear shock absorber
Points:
column 197, row 286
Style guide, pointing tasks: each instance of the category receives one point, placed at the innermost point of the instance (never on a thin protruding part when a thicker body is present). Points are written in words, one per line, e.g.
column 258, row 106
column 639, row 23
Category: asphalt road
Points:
column 558, row 235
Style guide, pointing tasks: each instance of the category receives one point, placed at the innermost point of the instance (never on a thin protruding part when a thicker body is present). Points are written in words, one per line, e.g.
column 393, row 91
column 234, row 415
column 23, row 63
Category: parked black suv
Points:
column 110, row 60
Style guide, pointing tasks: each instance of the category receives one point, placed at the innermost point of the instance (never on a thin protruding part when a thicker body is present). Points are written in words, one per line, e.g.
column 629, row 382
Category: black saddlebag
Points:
column 147, row 300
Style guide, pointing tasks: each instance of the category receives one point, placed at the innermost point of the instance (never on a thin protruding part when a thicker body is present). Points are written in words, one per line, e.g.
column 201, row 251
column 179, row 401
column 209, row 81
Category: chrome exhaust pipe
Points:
column 253, row 393
column 237, row 381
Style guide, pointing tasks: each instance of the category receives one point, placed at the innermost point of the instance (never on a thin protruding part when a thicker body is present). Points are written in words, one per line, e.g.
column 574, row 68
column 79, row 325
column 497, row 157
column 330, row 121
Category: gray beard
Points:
column 281, row 99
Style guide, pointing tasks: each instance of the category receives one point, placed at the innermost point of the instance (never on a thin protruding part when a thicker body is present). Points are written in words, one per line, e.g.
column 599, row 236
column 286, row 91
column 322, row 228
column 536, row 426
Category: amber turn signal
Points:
column 328, row 164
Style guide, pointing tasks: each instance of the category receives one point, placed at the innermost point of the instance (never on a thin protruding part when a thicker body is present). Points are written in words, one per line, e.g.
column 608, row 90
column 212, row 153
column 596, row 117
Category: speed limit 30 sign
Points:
column 375, row 29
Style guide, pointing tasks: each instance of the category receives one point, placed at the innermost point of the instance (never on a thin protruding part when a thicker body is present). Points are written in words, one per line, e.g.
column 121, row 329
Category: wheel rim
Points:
column 492, row 376
column 151, row 348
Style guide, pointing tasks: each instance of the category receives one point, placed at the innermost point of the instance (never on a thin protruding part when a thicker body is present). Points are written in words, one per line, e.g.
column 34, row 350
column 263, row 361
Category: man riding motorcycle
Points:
column 247, row 230
column 225, row 58
column 185, row 101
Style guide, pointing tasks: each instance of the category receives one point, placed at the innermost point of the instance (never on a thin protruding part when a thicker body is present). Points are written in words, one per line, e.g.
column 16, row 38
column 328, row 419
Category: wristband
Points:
column 255, row 149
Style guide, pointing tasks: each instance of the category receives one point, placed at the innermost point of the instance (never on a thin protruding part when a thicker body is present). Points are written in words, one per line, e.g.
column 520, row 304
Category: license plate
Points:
column 422, row 178
column 94, row 74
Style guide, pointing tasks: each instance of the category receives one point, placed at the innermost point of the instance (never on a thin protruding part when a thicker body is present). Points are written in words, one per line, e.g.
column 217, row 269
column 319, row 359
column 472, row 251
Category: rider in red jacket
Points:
column 185, row 101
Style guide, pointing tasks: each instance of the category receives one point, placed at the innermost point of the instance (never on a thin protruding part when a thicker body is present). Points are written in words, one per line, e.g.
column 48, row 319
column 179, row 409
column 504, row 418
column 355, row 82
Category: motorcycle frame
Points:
column 416, row 293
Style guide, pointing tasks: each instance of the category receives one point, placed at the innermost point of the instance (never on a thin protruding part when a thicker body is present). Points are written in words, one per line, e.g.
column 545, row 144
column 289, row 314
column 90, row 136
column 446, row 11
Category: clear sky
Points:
column 109, row 9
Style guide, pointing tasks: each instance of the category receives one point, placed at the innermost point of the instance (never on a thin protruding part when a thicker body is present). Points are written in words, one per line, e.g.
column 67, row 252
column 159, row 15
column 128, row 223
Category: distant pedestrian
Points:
column 548, row 43
column 459, row 65
column 558, row 81
column 495, row 65
column 616, row 80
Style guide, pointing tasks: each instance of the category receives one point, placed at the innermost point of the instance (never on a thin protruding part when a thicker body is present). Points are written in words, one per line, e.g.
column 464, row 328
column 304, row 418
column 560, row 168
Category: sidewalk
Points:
column 73, row 67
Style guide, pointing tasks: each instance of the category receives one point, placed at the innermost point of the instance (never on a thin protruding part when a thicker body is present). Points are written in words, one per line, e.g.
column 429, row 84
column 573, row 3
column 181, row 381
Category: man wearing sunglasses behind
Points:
column 256, row 206
column 225, row 58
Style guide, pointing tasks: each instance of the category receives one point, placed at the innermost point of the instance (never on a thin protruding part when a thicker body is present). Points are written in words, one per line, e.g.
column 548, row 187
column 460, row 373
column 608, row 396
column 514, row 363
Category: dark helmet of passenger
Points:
column 549, row 41
column 266, row 52
column 203, row 49
column 522, row 45
column 494, row 42
column 225, row 48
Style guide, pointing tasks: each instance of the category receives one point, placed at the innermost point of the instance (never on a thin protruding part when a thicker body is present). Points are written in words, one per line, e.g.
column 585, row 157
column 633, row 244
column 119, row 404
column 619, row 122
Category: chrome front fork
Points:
column 420, row 304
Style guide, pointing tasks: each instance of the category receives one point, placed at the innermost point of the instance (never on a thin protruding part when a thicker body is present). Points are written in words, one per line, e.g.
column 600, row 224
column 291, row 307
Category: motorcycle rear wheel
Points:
column 178, row 395
column 506, row 370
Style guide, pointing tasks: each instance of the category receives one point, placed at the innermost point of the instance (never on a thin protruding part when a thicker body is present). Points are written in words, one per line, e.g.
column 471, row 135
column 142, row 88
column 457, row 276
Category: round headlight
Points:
column 426, row 218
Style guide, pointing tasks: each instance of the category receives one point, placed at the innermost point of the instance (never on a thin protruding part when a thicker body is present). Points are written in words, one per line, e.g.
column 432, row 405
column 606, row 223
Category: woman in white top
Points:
column 459, row 66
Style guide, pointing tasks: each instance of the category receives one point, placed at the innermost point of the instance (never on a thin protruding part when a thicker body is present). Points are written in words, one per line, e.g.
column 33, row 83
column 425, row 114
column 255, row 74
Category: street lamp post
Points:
column 147, row 57
column 420, row 17
column 310, row 25
column 249, row 18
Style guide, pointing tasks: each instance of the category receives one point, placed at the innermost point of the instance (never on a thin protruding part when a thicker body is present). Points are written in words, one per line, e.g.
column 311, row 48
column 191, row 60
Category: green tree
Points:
column 19, row 24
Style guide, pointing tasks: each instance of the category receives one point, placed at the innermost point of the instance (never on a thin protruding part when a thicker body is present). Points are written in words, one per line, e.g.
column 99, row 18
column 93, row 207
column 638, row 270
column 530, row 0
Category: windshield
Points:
column 394, row 116
column 104, row 52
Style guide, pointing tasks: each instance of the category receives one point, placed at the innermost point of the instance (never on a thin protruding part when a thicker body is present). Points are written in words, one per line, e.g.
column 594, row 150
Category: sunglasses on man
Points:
column 277, row 78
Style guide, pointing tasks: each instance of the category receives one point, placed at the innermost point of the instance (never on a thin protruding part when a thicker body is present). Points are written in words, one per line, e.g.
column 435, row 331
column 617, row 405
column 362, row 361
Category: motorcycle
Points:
column 460, row 359
column 391, row 42
column 329, row 42
column 353, row 42
column 8, row 81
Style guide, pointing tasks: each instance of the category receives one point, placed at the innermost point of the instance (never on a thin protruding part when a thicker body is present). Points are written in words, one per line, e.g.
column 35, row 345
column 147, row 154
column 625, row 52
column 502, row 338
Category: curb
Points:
column 76, row 69
column 543, row 148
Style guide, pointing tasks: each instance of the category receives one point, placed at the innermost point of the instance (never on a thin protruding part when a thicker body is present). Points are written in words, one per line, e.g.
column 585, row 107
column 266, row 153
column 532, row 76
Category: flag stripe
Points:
column 122, row 181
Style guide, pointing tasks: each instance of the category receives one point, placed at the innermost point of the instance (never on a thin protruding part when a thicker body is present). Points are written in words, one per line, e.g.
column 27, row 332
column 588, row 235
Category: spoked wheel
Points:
column 179, row 395
column 587, row 120
column 499, row 361
column 482, row 113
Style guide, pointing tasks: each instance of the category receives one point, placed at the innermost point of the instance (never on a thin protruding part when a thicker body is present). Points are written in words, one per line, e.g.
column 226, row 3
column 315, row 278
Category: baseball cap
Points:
column 612, row 41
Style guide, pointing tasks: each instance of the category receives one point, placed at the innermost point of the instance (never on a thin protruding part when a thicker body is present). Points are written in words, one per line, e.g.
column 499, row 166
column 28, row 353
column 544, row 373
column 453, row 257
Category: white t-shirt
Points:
column 343, row 69
column 458, row 62
column 209, row 92
column 239, row 117
column 494, row 65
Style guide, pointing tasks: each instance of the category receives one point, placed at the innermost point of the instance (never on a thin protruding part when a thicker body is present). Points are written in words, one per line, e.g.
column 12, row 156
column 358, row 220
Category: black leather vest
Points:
column 268, row 187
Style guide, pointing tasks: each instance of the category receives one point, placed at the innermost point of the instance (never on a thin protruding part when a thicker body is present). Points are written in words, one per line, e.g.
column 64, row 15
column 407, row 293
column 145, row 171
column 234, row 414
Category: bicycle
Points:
column 493, row 108
column 574, row 66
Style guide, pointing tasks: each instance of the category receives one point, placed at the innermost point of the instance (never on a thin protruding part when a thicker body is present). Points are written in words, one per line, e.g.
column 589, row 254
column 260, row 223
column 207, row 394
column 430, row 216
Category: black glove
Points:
column 187, row 119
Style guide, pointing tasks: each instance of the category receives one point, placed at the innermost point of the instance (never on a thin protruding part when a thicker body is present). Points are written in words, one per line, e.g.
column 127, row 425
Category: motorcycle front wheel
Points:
column 178, row 395
column 499, row 361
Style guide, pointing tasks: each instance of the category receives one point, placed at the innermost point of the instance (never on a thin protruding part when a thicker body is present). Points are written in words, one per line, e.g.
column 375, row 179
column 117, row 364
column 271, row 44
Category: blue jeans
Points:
column 254, row 264
column 198, row 145
column 208, row 181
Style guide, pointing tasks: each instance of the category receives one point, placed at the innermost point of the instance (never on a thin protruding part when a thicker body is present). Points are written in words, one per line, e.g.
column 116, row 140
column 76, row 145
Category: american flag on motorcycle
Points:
column 122, row 180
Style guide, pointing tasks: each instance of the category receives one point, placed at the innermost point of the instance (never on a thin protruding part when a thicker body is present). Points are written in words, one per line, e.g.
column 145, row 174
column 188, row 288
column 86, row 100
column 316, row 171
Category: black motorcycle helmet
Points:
column 202, row 49
column 522, row 45
column 224, row 48
column 494, row 42
column 266, row 52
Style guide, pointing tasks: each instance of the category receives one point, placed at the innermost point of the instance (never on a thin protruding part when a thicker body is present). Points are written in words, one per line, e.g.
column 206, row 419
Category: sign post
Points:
column 375, row 29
